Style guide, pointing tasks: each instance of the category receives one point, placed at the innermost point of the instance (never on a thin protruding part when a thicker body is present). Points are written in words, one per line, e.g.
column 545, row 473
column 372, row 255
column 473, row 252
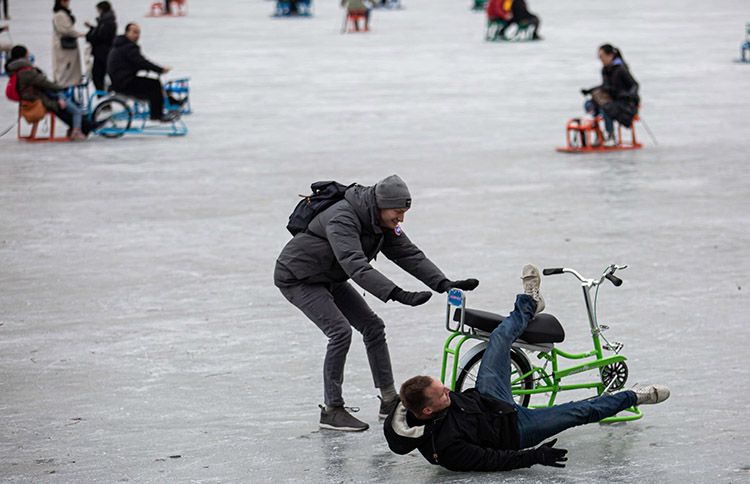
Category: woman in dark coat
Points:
column 101, row 36
column 616, row 99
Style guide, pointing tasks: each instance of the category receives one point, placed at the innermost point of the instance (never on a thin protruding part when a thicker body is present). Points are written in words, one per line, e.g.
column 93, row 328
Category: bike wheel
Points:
column 112, row 118
column 614, row 376
column 519, row 365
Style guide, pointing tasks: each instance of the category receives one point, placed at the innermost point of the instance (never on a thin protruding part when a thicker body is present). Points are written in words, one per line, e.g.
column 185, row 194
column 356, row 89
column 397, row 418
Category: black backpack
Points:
column 324, row 194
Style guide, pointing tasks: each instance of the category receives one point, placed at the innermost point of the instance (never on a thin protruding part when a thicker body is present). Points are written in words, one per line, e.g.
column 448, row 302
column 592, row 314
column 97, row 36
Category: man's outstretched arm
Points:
column 463, row 456
column 410, row 258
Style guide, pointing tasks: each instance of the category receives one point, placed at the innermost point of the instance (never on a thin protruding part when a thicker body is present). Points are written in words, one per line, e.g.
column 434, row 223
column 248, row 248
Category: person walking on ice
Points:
column 483, row 429
column 312, row 273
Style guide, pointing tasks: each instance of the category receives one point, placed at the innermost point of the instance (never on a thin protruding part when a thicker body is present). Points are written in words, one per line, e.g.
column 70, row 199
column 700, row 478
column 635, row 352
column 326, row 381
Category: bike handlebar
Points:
column 609, row 274
column 614, row 280
column 551, row 271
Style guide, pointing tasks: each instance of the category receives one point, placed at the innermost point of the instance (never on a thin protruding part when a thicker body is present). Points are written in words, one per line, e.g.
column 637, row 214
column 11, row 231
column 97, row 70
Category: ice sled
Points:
column 290, row 8
column 581, row 135
column 352, row 20
column 177, row 8
column 118, row 114
column 503, row 31
column 47, row 129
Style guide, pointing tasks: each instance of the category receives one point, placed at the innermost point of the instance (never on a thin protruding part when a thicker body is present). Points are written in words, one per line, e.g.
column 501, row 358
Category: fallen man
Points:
column 483, row 429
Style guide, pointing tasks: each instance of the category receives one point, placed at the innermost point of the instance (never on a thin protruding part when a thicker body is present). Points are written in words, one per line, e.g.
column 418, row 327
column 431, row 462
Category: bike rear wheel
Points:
column 112, row 118
column 519, row 365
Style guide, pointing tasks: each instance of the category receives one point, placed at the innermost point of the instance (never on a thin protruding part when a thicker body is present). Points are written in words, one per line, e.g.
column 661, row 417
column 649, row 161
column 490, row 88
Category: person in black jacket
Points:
column 616, row 99
column 312, row 273
column 483, row 429
column 522, row 16
column 101, row 36
column 124, row 62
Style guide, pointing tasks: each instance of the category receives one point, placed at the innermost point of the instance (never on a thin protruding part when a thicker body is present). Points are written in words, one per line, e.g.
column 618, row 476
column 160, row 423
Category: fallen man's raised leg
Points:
column 536, row 425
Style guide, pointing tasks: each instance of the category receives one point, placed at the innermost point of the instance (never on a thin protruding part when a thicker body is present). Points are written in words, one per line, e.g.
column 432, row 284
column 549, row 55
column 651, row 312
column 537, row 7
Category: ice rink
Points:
column 141, row 336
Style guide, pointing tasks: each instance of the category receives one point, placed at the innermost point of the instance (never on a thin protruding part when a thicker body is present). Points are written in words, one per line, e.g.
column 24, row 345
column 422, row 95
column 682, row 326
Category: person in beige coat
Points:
column 66, row 63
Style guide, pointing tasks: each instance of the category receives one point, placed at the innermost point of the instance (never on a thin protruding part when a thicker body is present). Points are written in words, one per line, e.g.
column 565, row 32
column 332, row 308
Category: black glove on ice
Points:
column 410, row 298
column 464, row 285
column 547, row 455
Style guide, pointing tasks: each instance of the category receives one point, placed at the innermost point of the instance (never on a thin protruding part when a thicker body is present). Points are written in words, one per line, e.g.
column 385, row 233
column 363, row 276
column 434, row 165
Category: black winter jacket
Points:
column 125, row 60
column 619, row 83
column 341, row 241
column 623, row 89
column 519, row 10
column 475, row 433
column 102, row 35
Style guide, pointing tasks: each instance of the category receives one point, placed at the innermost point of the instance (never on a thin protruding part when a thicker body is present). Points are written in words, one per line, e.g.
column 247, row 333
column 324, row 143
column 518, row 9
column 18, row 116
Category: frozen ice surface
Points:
column 139, row 321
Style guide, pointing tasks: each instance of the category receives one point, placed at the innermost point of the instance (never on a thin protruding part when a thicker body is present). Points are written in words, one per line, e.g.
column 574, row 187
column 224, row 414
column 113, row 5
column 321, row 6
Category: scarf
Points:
column 66, row 10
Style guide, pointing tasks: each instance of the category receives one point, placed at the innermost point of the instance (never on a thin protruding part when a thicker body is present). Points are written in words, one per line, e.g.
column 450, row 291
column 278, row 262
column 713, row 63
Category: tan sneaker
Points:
column 531, row 282
column 651, row 394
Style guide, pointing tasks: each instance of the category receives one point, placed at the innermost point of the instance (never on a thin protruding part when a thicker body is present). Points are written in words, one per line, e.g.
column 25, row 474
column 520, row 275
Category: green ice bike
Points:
column 607, row 372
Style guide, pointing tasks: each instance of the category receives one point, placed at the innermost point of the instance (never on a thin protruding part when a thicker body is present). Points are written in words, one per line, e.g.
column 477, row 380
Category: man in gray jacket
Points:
column 312, row 273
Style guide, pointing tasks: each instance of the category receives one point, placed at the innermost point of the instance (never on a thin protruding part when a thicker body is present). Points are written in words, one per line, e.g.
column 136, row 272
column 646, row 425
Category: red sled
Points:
column 581, row 134
column 177, row 8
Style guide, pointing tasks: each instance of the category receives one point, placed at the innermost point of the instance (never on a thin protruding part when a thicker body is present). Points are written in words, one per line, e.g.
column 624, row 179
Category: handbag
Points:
column 33, row 111
column 600, row 97
column 68, row 42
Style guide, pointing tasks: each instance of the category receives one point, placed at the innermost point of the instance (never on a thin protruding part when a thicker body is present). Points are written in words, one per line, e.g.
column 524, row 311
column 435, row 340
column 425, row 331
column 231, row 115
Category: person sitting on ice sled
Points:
column 358, row 7
column 483, row 429
column 616, row 99
column 513, row 11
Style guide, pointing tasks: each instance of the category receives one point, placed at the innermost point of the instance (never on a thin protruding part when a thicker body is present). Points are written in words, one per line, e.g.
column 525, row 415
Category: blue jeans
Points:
column 594, row 110
column 75, row 112
column 536, row 425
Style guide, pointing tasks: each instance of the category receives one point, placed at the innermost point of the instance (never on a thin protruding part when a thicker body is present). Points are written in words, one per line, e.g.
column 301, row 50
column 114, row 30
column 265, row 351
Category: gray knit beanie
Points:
column 392, row 192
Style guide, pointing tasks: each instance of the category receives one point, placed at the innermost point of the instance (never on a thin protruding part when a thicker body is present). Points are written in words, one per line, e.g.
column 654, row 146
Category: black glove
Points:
column 585, row 92
column 410, row 298
column 464, row 285
column 547, row 455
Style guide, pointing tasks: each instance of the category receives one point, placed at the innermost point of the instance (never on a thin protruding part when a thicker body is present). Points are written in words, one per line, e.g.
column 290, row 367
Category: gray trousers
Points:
column 336, row 308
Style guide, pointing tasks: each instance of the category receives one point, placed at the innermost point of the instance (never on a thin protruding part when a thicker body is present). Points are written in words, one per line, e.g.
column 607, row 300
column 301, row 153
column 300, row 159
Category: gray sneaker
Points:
column 531, row 281
column 338, row 418
column 651, row 394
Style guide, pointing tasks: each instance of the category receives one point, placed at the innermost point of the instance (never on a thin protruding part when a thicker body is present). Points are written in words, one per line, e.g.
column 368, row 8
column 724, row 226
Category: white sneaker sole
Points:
column 343, row 429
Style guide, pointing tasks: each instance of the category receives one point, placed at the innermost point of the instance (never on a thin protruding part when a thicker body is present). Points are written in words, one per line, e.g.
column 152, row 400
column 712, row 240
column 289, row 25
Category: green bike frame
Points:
column 544, row 381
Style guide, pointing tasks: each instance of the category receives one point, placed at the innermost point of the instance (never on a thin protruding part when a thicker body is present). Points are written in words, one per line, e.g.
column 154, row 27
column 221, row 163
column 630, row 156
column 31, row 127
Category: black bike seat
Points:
column 543, row 328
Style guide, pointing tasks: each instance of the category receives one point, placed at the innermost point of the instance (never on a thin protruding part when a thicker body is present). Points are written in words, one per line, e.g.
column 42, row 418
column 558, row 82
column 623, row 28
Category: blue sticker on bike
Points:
column 456, row 298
